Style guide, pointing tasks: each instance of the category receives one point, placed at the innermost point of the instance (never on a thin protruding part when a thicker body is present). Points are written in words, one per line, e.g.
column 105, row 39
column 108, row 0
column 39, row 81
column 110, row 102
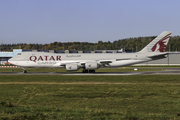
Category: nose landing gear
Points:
column 24, row 70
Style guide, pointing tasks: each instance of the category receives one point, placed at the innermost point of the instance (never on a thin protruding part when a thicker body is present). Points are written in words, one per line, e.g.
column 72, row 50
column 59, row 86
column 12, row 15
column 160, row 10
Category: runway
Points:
column 169, row 71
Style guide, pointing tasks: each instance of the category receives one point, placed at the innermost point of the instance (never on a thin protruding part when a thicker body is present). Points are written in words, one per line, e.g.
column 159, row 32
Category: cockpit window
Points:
column 19, row 54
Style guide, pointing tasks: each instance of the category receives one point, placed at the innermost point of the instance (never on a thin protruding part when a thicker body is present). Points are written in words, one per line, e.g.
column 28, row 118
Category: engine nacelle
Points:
column 91, row 66
column 72, row 67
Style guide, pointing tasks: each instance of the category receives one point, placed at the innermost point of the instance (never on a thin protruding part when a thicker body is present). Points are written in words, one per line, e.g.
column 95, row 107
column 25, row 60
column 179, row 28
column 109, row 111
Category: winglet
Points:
column 159, row 43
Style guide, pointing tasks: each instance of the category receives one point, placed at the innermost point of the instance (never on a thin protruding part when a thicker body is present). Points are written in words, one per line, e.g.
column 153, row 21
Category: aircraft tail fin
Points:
column 159, row 43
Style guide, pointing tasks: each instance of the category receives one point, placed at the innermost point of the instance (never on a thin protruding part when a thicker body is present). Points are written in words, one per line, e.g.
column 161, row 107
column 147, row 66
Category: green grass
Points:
column 65, row 78
column 89, row 97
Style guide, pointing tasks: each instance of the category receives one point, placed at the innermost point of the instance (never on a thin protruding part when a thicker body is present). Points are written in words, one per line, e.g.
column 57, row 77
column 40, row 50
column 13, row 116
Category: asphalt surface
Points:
column 167, row 71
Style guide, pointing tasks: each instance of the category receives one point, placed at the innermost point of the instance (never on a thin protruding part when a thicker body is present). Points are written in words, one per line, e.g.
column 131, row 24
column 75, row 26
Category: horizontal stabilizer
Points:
column 156, row 55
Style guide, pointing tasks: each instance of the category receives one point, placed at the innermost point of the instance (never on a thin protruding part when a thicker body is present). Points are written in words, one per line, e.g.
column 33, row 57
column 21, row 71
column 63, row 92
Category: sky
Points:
column 47, row 21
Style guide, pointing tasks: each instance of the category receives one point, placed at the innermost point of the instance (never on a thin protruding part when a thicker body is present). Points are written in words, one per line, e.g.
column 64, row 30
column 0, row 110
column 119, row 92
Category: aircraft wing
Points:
column 104, row 61
column 98, row 61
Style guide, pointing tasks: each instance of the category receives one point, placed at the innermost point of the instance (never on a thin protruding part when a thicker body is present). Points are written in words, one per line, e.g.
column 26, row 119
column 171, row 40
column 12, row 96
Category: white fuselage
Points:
column 51, row 60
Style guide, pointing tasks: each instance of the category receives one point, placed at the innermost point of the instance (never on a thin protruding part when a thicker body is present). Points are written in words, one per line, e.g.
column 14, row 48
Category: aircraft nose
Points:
column 11, row 61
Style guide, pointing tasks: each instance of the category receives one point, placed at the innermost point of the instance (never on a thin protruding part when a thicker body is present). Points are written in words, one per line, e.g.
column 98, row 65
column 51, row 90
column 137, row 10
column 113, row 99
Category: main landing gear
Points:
column 86, row 71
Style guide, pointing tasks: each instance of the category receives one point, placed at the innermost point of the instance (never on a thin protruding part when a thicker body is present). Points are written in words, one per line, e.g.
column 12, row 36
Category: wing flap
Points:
column 123, row 59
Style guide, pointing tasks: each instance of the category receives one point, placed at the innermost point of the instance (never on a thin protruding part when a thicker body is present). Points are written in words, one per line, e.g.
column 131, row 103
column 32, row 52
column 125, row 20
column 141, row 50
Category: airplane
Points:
column 89, row 62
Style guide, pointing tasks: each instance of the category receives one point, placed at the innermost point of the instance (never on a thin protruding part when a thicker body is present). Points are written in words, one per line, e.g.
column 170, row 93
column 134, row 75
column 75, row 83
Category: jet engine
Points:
column 72, row 67
column 91, row 65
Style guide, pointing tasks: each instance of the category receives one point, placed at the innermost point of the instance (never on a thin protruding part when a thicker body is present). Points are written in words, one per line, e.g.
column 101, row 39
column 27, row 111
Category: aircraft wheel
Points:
column 91, row 71
column 84, row 71
column 24, row 71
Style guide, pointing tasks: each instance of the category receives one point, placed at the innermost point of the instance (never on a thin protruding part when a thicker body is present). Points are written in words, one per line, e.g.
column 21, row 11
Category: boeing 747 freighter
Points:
column 90, row 62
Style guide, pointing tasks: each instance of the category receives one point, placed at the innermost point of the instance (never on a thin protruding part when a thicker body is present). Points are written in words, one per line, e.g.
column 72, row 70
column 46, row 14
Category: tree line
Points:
column 134, row 44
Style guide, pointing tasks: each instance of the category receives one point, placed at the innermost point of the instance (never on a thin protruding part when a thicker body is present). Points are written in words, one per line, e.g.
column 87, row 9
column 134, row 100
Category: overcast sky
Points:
column 47, row 21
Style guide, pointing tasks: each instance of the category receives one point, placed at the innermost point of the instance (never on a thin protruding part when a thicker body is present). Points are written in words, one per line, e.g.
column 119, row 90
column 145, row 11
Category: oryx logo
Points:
column 161, row 44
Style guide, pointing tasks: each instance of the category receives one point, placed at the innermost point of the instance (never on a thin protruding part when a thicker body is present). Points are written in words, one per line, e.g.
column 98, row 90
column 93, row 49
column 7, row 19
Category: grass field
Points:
column 89, row 97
